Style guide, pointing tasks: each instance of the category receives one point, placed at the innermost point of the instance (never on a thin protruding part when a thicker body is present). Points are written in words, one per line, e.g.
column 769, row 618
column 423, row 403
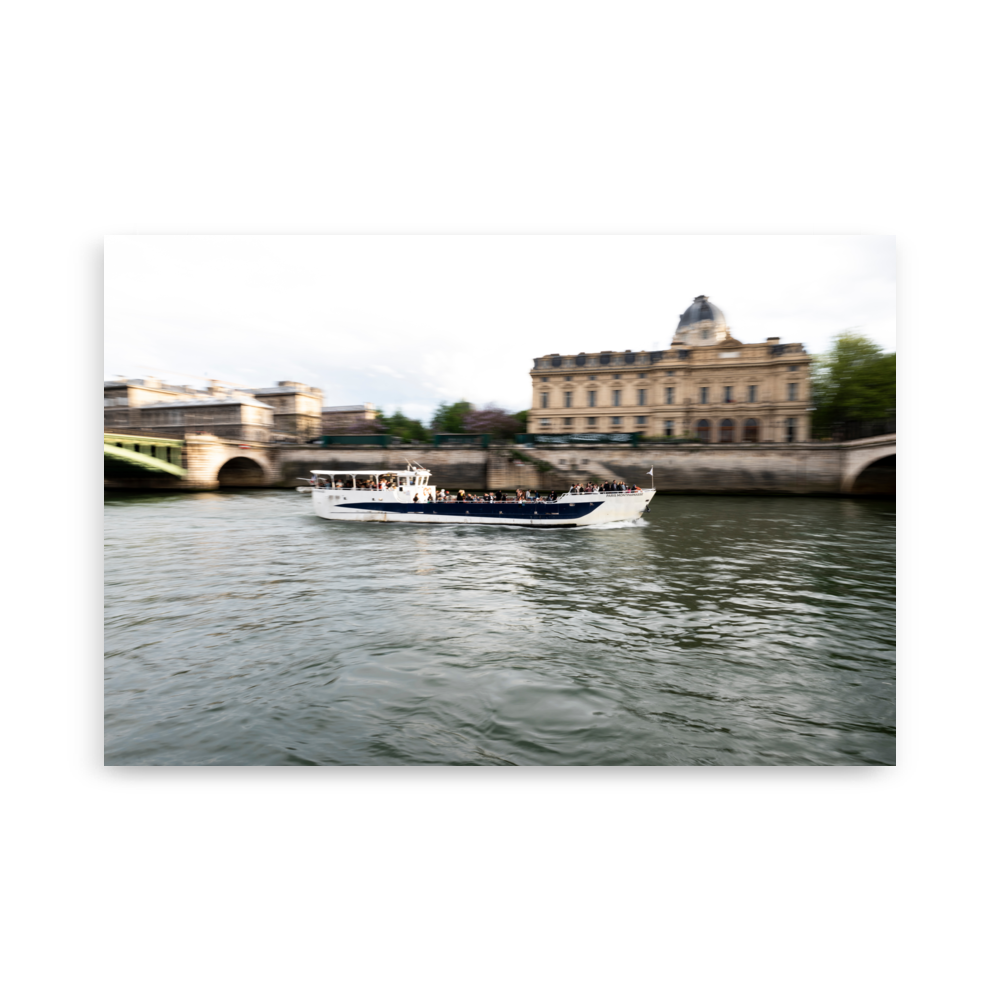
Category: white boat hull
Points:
column 569, row 511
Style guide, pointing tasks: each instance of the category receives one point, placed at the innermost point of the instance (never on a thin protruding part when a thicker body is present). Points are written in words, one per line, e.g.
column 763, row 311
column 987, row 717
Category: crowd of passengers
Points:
column 463, row 496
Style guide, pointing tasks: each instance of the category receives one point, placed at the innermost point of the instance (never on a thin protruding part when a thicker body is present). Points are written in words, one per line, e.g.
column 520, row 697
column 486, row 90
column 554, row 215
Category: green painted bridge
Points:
column 147, row 453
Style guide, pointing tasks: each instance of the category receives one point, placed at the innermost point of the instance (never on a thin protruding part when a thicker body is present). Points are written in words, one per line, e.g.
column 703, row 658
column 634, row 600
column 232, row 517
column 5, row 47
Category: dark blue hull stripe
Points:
column 483, row 511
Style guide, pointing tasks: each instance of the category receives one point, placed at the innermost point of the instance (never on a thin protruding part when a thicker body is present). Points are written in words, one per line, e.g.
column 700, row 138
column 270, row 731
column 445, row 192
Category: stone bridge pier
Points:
column 214, row 462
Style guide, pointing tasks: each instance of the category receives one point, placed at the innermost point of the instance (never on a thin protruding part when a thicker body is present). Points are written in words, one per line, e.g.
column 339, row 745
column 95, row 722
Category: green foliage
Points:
column 449, row 418
column 403, row 427
column 855, row 380
column 522, row 419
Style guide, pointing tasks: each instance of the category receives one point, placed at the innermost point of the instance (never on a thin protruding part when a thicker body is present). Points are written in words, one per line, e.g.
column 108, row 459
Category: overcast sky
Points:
column 410, row 321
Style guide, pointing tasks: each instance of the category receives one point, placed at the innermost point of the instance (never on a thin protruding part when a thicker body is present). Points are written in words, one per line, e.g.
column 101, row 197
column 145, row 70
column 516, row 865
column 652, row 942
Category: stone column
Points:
column 203, row 454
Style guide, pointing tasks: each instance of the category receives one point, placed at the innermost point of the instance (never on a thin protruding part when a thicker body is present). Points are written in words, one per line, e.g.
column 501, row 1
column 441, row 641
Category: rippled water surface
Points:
column 241, row 629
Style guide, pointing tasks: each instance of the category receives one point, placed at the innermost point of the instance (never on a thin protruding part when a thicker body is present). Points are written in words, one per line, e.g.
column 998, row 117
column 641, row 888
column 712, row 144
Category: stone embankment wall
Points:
column 762, row 468
column 813, row 468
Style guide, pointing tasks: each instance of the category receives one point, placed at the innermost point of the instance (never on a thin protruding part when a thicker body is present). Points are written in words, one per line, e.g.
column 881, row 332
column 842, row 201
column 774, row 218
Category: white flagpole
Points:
column 650, row 474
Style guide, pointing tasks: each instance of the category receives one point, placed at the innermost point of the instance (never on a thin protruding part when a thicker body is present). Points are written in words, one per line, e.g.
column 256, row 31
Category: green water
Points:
column 243, row 630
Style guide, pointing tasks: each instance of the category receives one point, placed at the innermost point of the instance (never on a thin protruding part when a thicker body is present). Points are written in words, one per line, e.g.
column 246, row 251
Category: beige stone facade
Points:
column 708, row 386
column 149, row 406
column 297, row 407
column 338, row 419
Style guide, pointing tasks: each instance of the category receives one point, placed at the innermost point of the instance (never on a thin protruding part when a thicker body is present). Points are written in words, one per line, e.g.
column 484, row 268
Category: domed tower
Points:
column 702, row 323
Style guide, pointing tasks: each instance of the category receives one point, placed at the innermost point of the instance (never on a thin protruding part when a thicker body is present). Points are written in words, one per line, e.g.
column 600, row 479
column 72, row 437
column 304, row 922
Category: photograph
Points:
column 500, row 501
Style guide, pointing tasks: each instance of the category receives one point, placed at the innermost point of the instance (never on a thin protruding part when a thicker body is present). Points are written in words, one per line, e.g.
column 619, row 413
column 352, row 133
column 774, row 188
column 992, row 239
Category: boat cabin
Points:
column 402, row 485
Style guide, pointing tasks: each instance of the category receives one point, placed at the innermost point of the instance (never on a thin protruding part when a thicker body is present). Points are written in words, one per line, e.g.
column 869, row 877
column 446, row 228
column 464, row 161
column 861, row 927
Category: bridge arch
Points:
column 242, row 471
column 869, row 467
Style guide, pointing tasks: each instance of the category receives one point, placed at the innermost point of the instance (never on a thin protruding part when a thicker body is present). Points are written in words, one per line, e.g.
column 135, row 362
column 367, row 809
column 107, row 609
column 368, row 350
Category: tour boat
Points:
column 407, row 495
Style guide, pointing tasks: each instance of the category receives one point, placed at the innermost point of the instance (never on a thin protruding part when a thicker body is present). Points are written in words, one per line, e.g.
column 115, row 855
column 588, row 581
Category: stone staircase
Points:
column 504, row 472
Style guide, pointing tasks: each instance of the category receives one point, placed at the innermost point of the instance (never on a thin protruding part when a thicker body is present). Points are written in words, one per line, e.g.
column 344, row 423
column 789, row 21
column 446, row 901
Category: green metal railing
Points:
column 626, row 437
column 466, row 440
column 376, row 440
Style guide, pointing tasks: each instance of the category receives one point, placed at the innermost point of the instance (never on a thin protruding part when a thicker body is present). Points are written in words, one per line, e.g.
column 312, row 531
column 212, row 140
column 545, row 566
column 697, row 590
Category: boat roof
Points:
column 370, row 472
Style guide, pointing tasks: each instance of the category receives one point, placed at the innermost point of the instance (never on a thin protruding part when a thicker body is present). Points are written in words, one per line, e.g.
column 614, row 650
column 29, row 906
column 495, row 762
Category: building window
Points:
column 592, row 398
column 668, row 428
column 793, row 368
column 704, row 334
column 545, row 378
column 616, row 421
column 793, row 391
column 670, row 394
column 640, row 420
column 727, row 393
column 568, row 378
column 750, row 431
column 704, row 431
column 642, row 397
column 670, row 372
column 592, row 377
column 567, row 421
column 567, row 399
column 616, row 397
column 726, row 432
column 591, row 421
column 545, row 400
column 642, row 374
column 790, row 430
column 617, row 375
column 703, row 394
column 751, row 394
column 545, row 421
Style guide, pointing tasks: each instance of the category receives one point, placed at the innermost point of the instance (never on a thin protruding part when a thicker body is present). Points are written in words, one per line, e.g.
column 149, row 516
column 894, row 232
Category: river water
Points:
column 243, row 630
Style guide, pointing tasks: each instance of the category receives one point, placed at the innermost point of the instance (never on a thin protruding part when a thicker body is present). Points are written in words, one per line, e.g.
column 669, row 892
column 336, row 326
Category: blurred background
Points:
column 408, row 323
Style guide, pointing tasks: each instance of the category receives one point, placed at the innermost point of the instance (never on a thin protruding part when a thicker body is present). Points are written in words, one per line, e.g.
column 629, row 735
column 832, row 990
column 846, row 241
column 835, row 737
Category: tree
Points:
column 493, row 420
column 403, row 427
column 854, row 381
column 449, row 417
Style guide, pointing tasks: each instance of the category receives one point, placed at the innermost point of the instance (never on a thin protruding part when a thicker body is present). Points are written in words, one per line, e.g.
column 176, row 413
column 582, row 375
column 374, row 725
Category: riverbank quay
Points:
column 864, row 467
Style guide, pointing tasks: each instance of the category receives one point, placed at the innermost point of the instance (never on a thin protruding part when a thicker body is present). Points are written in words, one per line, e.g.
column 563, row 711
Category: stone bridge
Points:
column 206, row 462
column 868, row 465
column 199, row 462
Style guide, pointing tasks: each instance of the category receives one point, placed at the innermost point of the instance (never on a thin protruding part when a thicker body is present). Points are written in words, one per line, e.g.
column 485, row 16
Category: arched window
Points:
column 704, row 431
column 750, row 431
column 726, row 432
column 790, row 429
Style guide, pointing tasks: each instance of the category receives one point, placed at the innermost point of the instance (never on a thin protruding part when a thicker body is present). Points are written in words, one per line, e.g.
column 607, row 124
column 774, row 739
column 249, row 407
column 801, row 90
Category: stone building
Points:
column 297, row 410
column 338, row 419
column 149, row 406
column 708, row 385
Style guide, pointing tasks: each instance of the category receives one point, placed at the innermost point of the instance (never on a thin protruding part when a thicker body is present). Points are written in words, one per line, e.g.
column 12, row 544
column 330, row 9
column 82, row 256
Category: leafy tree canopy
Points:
column 855, row 380
column 403, row 427
column 493, row 420
column 449, row 418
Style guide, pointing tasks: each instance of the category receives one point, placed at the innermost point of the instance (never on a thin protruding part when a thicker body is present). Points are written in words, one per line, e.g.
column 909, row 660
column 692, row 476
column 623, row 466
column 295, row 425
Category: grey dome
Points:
column 699, row 311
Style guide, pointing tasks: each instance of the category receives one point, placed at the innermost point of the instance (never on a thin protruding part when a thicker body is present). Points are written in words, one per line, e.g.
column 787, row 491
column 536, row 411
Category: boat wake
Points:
column 637, row 523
